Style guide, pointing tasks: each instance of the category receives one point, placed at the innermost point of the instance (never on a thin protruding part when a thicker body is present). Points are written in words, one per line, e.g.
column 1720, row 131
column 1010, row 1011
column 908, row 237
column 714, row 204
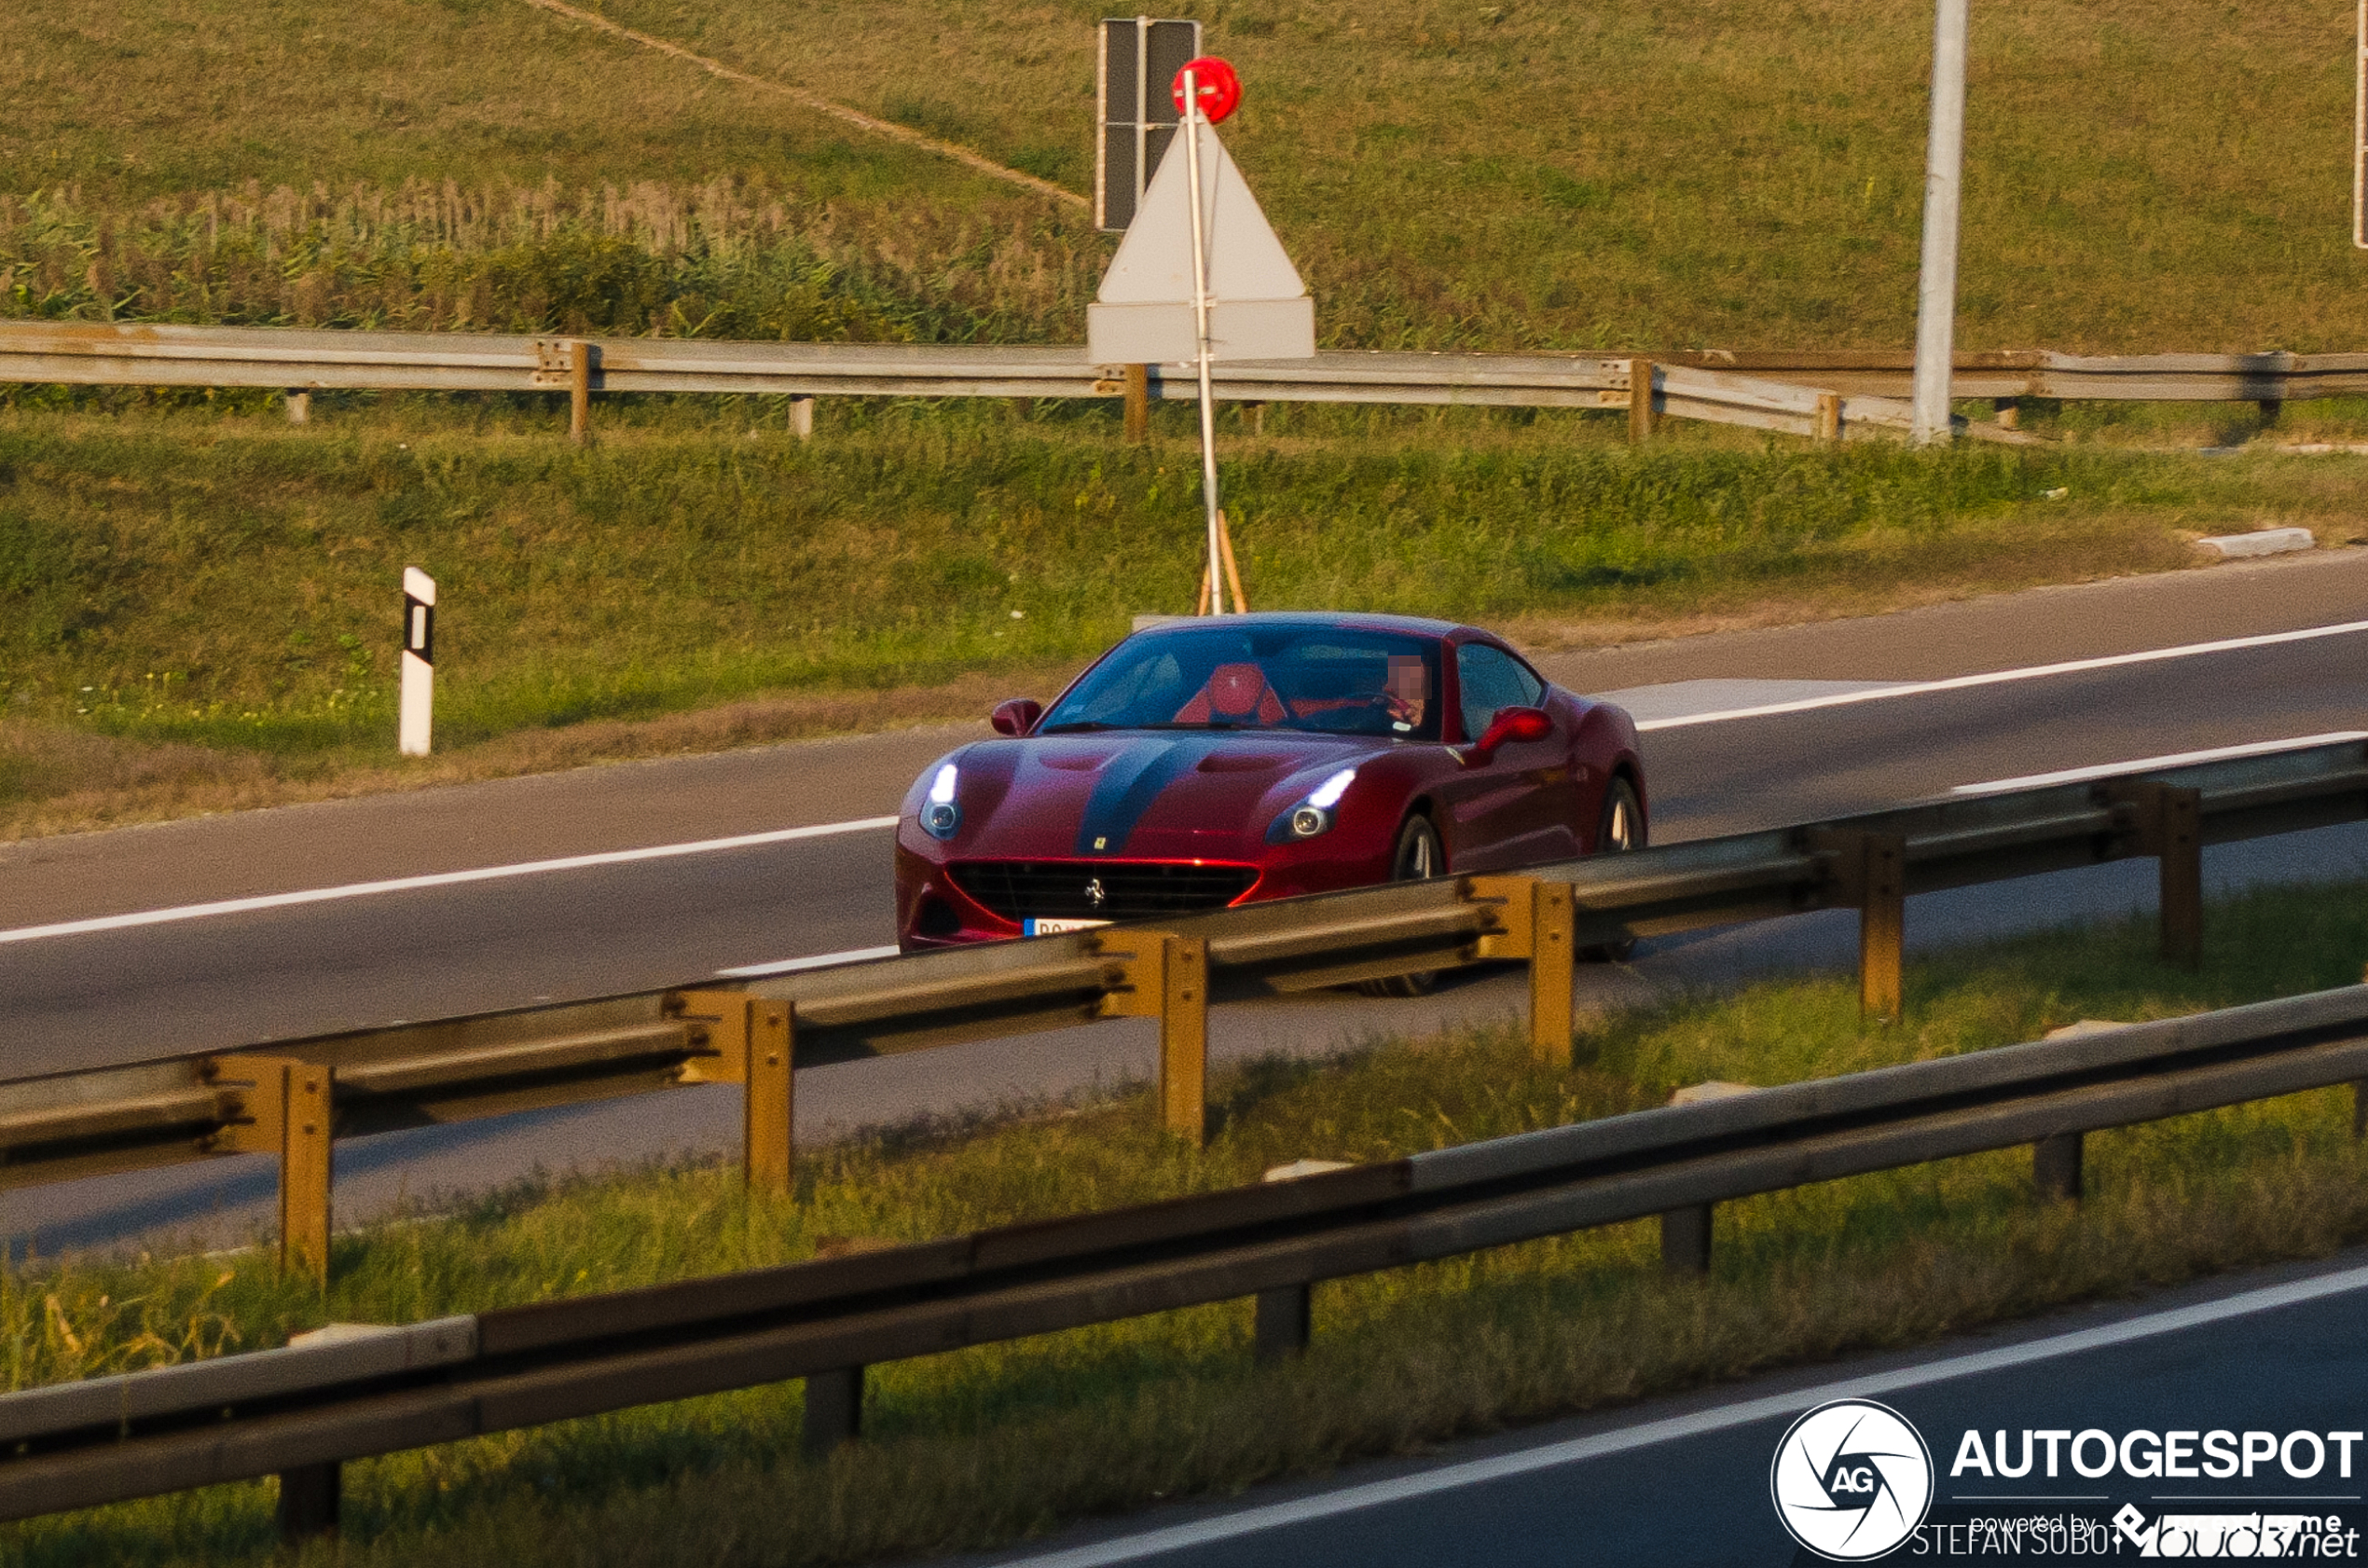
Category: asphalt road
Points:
column 1685, row 1482
column 244, row 978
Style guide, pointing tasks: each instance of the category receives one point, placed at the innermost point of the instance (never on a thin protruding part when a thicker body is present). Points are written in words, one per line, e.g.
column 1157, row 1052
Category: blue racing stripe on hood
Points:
column 1128, row 785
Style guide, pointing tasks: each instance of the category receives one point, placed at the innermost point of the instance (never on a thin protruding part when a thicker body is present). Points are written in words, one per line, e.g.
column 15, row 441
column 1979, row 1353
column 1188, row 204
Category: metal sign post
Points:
column 1200, row 276
column 1199, row 325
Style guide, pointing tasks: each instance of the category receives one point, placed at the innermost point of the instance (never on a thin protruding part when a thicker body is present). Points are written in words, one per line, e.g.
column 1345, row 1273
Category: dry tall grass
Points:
column 729, row 258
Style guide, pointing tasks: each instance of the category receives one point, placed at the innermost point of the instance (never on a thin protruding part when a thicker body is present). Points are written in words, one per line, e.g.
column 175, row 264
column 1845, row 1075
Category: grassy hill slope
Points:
column 2170, row 175
column 1667, row 172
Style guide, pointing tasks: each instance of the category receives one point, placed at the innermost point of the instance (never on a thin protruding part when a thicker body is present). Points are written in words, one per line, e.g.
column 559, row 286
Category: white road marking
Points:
column 438, row 879
column 2156, row 765
column 2002, row 676
column 819, row 961
column 1681, row 700
column 1744, row 1413
column 744, row 841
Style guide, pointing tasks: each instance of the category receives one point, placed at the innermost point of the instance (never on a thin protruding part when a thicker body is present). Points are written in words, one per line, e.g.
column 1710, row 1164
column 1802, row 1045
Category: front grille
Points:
column 1130, row 890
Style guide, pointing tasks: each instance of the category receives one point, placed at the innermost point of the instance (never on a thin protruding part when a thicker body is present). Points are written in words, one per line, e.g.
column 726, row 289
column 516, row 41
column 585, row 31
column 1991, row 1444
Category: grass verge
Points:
column 988, row 1445
column 193, row 601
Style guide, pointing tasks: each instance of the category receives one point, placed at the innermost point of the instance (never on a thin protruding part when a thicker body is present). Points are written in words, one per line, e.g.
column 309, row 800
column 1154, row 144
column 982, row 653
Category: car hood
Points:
column 1143, row 795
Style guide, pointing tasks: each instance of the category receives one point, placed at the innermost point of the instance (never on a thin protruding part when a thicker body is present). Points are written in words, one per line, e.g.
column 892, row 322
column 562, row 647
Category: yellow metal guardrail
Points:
column 294, row 1099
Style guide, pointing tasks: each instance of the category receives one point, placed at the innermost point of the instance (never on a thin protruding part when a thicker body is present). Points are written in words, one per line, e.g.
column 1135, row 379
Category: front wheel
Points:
column 1620, row 829
column 1417, row 858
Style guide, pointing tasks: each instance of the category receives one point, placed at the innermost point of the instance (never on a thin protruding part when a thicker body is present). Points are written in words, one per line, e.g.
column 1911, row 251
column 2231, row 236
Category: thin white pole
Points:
column 1200, row 320
column 2360, row 138
column 1944, row 171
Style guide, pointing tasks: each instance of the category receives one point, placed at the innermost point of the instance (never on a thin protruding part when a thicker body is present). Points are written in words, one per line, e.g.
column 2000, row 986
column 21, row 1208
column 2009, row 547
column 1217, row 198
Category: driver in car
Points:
column 1404, row 695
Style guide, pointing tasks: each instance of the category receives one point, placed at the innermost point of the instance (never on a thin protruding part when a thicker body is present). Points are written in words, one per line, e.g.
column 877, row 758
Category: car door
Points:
column 1516, row 807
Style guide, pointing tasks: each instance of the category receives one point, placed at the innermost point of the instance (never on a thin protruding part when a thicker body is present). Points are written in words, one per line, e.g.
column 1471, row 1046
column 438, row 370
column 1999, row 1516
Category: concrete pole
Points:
column 1936, row 284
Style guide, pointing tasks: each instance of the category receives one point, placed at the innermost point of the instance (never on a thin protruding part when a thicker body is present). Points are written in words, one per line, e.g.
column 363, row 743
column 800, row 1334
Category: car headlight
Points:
column 940, row 816
column 1314, row 815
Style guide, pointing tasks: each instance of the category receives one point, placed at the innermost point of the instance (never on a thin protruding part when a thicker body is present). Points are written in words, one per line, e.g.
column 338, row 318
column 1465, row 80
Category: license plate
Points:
column 1053, row 927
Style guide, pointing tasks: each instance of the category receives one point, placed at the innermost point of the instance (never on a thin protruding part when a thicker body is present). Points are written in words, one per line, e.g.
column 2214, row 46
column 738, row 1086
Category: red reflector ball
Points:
column 1220, row 89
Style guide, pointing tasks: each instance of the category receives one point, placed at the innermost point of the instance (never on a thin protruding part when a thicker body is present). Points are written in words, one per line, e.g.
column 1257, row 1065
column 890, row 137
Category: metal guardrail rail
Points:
column 294, row 1099
column 302, row 1411
column 291, row 360
column 2016, row 373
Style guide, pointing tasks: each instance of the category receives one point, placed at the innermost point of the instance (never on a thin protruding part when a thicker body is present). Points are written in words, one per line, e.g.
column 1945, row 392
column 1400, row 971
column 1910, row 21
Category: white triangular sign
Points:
column 1258, row 307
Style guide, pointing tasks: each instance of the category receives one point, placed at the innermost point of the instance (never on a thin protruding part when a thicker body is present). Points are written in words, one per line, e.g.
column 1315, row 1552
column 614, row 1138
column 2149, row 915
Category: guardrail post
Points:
column 287, row 1111
column 1184, row 1038
column 1285, row 1324
column 2170, row 826
column 1553, row 963
column 1640, row 400
column 753, row 1043
column 1686, row 1240
column 1870, row 872
column 2009, row 412
column 770, row 1099
column 1166, row 977
column 1830, row 417
column 2055, row 1166
column 1537, row 921
column 1138, row 404
column 802, row 415
column 833, row 1411
column 308, row 1498
column 300, row 407
column 579, row 392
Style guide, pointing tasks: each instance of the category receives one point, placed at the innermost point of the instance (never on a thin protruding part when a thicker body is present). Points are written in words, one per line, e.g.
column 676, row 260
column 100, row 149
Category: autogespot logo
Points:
column 1852, row 1479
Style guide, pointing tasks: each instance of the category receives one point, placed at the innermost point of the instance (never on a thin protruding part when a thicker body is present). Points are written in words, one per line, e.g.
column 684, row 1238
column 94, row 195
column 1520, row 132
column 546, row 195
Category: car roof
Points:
column 1339, row 619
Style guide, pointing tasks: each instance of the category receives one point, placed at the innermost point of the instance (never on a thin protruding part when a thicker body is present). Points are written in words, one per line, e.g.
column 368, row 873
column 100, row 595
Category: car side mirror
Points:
column 1514, row 724
column 1017, row 716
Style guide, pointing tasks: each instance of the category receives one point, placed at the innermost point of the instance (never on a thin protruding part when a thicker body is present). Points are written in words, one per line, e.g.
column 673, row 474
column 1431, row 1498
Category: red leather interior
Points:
column 1235, row 694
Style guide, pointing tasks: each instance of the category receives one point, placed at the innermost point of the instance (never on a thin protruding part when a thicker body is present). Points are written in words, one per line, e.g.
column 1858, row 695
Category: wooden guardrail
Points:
column 294, row 1099
column 302, row 1411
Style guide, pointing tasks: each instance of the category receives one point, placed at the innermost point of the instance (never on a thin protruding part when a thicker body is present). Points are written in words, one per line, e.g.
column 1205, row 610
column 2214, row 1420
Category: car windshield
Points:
column 1243, row 677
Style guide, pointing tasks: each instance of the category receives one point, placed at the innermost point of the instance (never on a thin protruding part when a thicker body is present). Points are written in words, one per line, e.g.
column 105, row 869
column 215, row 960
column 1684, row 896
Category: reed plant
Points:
column 731, row 257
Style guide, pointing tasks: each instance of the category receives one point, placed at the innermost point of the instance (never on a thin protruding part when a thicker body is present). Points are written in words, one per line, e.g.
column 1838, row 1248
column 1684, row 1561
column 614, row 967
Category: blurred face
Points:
column 1408, row 689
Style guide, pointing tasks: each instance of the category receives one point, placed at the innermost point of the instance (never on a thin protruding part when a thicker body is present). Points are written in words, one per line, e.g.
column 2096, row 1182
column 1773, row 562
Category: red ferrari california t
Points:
column 1222, row 760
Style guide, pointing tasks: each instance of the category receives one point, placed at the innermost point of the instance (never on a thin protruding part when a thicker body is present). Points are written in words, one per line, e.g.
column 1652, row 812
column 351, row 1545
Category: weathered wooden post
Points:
column 1640, row 400
column 1138, row 404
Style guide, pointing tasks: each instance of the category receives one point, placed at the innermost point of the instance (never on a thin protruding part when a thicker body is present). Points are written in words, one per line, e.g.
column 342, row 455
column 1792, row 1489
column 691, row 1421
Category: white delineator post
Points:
column 1944, row 181
column 1199, row 325
column 419, row 660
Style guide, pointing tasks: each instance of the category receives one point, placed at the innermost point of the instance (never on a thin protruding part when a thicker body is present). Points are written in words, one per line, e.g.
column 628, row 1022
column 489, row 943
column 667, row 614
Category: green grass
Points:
column 225, row 580
column 987, row 1445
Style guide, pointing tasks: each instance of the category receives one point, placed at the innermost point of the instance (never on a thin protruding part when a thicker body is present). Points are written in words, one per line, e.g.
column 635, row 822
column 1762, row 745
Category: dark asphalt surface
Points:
column 124, row 994
column 245, row 979
column 1701, row 1499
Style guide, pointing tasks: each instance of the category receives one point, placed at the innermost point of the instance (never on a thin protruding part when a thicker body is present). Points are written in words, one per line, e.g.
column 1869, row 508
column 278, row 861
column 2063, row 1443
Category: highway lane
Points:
column 120, row 995
column 223, row 1201
column 226, row 980
column 626, row 805
column 1684, row 1482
